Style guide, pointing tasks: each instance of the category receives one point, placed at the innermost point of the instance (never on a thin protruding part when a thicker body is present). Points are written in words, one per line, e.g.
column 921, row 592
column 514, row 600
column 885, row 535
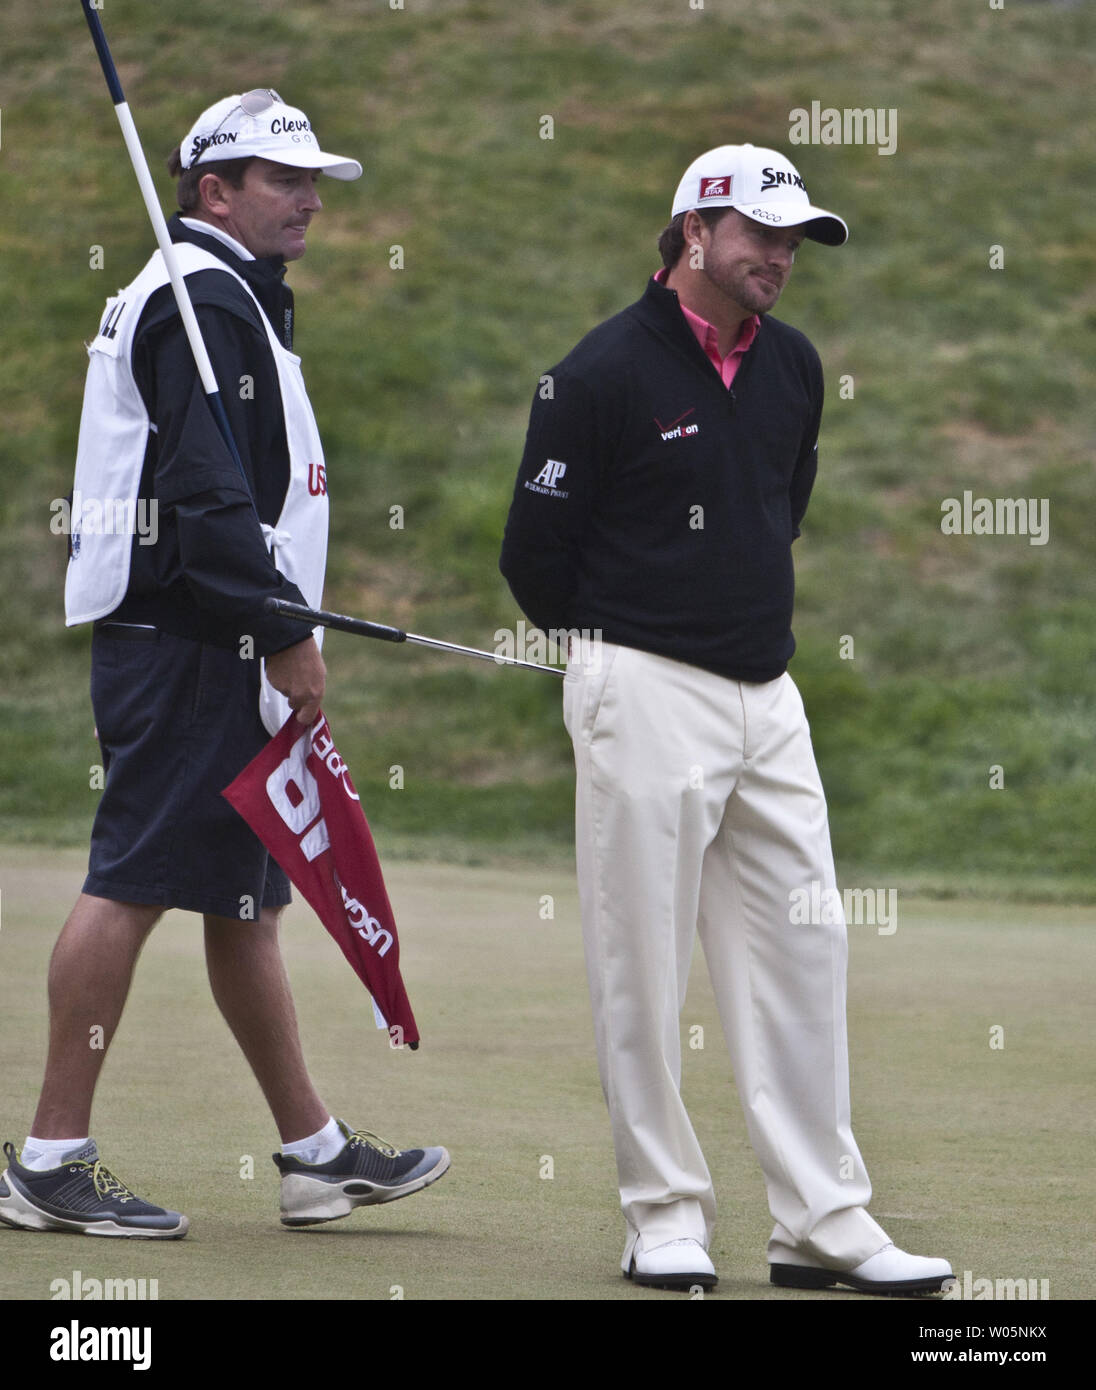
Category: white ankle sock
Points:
column 320, row 1147
column 39, row 1155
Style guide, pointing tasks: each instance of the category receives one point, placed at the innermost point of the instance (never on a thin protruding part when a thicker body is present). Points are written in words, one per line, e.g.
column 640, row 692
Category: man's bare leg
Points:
column 89, row 978
column 251, row 988
column 250, row 985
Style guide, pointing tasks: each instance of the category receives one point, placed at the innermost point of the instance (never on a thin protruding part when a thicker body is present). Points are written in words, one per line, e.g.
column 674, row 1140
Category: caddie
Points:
column 190, row 674
column 667, row 468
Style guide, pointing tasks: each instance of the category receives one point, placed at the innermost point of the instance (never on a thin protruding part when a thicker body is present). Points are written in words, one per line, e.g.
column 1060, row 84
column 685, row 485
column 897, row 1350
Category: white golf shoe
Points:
column 888, row 1271
column 677, row 1264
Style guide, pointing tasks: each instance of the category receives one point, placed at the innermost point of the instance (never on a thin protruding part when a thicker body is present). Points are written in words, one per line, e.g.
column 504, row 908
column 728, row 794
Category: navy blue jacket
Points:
column 209, row 573
column 658, row 506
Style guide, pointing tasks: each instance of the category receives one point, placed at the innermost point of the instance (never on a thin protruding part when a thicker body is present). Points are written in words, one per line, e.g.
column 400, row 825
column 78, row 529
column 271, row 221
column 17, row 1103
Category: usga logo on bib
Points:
column 547, row 480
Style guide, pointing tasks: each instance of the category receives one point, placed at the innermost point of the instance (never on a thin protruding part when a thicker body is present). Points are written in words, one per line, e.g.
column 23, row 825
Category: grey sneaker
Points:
column 367, row 1171
column 83, row 1196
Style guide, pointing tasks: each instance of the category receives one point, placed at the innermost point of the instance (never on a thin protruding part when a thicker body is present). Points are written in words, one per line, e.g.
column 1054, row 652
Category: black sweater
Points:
column 210, row 572
column 670, row 526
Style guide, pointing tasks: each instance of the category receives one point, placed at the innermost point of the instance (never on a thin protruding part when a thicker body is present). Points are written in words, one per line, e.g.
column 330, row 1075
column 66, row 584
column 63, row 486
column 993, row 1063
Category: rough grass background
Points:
column 969, row 651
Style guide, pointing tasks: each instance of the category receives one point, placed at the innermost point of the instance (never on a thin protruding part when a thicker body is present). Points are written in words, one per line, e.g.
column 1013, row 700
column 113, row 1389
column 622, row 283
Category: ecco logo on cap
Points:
column 716, row 188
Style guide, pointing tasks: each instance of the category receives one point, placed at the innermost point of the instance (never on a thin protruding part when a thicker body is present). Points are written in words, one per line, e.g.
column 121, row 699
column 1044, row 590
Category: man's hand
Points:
column 299, row 674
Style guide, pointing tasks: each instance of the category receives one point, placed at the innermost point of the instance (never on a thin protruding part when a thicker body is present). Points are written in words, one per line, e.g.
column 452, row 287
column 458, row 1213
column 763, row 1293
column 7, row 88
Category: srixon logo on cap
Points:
column 716, row 188
column 775, row 177
column 203, row 142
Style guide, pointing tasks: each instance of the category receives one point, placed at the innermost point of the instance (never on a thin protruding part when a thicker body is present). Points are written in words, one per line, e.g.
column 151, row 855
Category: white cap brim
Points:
column 336, row 166
column 817, row 223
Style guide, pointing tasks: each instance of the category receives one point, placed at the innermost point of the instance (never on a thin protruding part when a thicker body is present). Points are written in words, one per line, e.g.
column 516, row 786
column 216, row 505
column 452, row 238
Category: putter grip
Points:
column 317, row 617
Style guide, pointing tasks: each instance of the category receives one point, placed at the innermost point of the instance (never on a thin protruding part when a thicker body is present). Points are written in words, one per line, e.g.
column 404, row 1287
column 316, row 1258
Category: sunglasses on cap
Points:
column 252, row 103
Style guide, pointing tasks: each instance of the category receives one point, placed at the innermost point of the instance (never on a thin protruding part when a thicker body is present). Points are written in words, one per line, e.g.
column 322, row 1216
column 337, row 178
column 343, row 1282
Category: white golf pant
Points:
column 699, row 809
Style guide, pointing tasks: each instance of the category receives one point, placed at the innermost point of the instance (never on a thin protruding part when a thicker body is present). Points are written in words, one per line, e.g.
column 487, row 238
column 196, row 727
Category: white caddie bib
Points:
column 114, row 429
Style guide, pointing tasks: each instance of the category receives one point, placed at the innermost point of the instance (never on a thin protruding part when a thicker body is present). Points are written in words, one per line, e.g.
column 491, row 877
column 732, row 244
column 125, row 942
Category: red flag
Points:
column 298, row 798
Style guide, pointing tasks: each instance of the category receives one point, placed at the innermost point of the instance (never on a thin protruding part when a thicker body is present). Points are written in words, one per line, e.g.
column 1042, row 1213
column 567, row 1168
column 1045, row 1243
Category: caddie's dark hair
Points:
column 186, row 194
column 671, row 242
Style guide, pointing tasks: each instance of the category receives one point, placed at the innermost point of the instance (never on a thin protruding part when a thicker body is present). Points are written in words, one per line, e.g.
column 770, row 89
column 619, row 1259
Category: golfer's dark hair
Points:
column 671, row 243
column 186, row 194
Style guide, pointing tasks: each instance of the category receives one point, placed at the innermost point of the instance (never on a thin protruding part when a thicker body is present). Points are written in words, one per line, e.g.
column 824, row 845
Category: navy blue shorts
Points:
column 177, row 720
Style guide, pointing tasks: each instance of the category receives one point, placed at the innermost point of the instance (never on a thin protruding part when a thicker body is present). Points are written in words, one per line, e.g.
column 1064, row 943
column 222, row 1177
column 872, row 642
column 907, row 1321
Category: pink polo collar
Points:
column 708, row 338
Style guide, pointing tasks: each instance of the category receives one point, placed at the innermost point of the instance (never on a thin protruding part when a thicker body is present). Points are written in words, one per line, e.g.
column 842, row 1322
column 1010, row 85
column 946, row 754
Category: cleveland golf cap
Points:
column 762, row 184
column 259, row 124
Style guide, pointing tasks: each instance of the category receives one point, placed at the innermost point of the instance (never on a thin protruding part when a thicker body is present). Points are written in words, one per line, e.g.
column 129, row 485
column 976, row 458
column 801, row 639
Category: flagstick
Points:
column 159, row 226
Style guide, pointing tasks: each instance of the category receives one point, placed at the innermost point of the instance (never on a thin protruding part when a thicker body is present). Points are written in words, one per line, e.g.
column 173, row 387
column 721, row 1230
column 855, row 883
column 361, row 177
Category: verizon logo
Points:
column 675, row 429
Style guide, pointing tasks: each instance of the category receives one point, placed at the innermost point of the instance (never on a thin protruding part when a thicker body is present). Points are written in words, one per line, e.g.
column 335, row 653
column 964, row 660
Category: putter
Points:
column 318, row 617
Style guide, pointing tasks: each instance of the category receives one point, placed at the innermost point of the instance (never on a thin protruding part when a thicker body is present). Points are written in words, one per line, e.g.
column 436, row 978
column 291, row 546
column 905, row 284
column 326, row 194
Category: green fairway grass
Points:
column 979, row 1153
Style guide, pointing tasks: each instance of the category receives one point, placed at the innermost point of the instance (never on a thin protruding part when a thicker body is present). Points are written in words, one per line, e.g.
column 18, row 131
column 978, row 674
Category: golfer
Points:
column 667, row 468
column 180, row 644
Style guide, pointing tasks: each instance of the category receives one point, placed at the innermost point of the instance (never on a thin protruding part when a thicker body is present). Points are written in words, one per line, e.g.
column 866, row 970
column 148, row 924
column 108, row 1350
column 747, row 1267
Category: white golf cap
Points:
column 259, row 124
column 762, row 184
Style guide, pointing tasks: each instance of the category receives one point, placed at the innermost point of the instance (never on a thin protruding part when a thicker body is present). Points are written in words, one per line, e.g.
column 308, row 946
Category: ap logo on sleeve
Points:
column 546, row 481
